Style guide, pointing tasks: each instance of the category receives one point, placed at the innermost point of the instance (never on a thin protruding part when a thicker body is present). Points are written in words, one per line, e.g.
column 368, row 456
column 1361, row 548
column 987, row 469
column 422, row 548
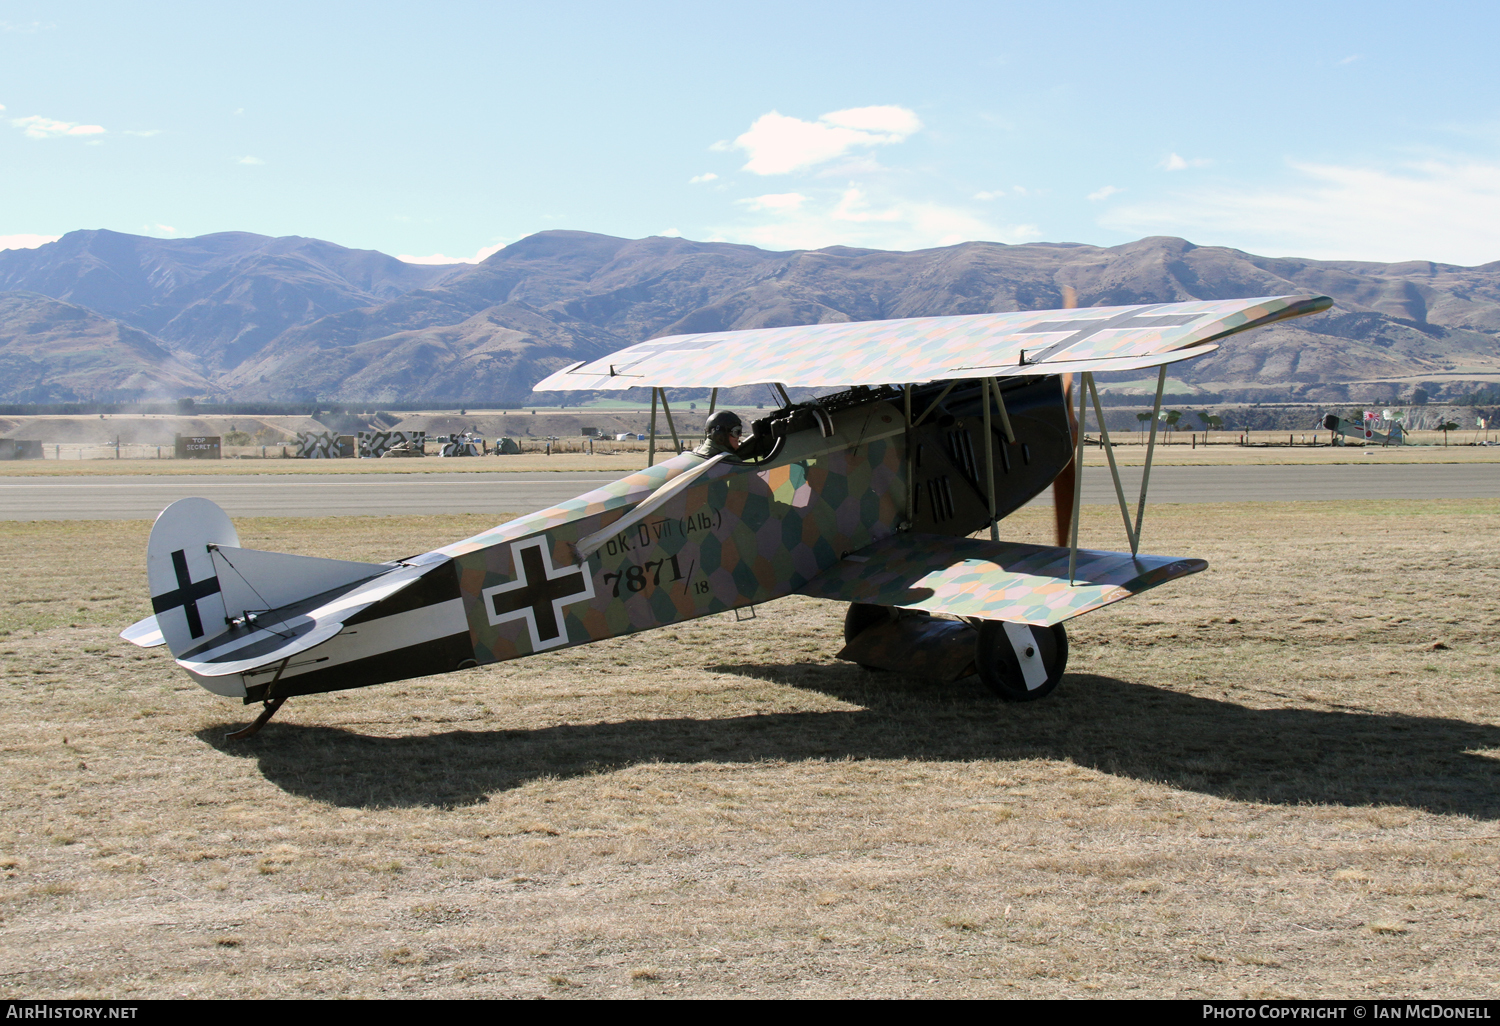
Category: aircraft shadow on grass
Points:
column 1211, row 746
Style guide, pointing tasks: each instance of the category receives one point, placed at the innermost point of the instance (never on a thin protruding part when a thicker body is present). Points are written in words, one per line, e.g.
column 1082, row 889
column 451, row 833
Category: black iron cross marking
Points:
column 187, row 594
column 1082, row 329
column 538, row 594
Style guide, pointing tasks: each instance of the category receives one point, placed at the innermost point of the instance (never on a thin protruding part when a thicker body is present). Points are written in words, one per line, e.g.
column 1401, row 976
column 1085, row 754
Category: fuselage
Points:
column 738, row 535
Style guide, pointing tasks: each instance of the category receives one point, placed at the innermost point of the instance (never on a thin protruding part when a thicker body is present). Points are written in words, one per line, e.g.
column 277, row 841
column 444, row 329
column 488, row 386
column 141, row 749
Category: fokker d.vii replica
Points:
column 942, row 426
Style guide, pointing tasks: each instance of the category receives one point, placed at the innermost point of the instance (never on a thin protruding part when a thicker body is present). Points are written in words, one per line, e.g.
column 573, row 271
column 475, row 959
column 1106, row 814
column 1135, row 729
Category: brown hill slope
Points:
column 58, row 352
column 217, row 297
column 296, row 319
column 554, row 295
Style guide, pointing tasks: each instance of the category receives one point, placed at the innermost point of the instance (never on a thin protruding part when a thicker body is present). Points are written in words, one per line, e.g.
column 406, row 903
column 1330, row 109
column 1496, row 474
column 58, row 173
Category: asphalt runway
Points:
column 254, row 495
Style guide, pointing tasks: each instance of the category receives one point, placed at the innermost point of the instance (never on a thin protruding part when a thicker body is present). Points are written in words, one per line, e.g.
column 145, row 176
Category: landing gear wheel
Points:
column 1021, row 663
column 862, row 616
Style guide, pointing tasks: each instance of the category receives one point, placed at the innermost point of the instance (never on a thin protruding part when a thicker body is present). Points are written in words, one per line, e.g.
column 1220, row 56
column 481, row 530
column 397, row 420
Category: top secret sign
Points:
column 200, row 447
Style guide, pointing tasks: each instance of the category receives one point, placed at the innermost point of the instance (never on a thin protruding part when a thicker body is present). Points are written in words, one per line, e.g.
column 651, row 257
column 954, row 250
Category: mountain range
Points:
column 99, row 315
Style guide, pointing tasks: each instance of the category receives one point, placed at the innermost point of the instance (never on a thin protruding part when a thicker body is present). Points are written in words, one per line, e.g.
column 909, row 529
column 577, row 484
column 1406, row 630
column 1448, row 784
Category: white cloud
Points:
column 28, row 27
column 896, row 122
column 1104, row 193
column 38, row 127
column 26, row 241
column 991, row 194
column 439, row 258
column 1176, row 163
column 853, row 167
column 722, row 146
column 778, row 144
column 698, row 179
column 250, row 160
column 1351, row 59
column 854, row 205
column 775, row 201
column 855, row 217
column 1445, row 211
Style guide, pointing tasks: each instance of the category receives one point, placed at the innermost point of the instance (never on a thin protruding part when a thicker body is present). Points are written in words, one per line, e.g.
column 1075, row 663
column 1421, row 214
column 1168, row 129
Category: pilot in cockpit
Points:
column 722, row 433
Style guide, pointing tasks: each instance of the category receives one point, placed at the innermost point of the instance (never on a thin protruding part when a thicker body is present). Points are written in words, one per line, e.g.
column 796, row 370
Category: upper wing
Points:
column 934, row 348
column 991, row 580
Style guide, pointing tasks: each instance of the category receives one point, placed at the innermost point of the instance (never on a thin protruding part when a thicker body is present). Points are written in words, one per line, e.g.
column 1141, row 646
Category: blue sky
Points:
column 1329, row 130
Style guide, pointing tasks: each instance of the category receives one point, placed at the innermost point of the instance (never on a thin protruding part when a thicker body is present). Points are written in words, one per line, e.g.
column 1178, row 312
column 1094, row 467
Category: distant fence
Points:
column 106, row 451
column 143, row 451
column 609, row 447
column 523, row 446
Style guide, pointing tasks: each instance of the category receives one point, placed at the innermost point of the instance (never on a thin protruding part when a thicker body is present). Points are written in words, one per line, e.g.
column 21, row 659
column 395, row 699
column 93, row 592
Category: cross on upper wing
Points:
column 1088, row 327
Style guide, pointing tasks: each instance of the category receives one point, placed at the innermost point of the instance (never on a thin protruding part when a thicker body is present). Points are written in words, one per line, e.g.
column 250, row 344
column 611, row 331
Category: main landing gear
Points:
column 1018, row 662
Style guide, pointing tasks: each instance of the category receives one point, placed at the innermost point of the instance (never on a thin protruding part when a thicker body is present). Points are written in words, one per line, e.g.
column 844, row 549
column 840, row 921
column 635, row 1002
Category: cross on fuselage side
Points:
column 1082, row 329
column 187, row 594
column 538, row 593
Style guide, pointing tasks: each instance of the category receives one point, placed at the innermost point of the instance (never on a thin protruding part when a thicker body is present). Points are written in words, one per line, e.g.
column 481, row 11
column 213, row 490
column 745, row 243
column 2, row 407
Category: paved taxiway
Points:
column 252, row 495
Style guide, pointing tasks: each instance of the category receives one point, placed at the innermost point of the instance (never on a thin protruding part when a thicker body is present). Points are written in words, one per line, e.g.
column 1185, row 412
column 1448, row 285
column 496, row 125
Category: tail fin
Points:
column 203, row 584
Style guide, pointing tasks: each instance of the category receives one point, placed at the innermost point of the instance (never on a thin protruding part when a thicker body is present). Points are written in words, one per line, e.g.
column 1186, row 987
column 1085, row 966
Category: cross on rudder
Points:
column 187, row 594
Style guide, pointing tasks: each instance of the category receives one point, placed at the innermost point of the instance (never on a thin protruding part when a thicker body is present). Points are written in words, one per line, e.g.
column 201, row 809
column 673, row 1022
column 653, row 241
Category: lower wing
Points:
column 992, row 580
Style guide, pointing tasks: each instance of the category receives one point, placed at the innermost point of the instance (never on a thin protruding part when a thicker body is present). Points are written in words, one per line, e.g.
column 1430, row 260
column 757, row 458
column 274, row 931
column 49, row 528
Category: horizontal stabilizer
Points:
column 281, row 633
column 145, row 633
column 254, row 580
column 202, row 581
column 992, row 580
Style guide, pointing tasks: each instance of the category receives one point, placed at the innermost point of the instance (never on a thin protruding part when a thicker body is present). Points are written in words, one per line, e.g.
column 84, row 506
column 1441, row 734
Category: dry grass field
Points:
column 1280, row 777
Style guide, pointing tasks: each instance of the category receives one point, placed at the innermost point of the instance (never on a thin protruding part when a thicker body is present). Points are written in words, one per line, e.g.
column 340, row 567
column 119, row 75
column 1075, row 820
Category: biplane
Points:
column 886, row 493
column 1365, row 430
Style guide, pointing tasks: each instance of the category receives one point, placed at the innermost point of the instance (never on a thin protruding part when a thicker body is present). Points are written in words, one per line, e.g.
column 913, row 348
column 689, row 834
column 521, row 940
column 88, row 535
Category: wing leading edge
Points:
column 934, row 348
column 992, row 580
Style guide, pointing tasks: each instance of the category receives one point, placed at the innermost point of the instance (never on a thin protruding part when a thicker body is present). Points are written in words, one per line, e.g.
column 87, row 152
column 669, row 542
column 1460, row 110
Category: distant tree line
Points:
column 1485, row 397
column 191, row 407
column 1167, row 399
